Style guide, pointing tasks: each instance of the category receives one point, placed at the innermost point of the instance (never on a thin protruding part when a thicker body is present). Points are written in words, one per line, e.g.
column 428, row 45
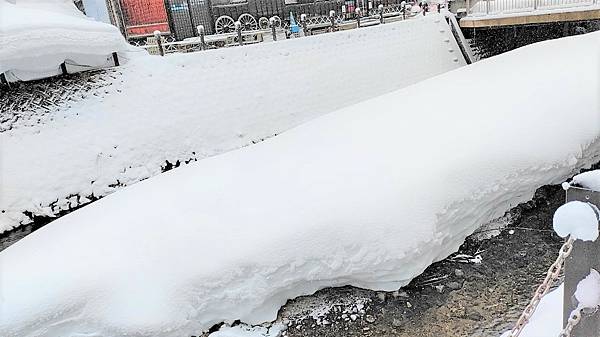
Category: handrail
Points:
column 494, row 7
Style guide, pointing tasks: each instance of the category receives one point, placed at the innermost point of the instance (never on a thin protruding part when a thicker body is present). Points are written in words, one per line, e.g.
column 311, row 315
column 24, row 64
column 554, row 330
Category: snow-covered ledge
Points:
column 368, row 195
column 38, row 35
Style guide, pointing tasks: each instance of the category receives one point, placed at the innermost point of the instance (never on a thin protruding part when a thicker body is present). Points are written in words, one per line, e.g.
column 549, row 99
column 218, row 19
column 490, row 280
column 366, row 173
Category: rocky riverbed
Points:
column 478, row 291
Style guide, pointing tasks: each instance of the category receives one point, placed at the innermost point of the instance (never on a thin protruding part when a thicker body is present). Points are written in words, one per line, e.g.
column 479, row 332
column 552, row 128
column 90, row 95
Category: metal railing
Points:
column 493, row 7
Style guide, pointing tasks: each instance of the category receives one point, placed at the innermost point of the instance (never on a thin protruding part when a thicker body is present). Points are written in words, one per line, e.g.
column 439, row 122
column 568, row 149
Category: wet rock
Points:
column 454, row 285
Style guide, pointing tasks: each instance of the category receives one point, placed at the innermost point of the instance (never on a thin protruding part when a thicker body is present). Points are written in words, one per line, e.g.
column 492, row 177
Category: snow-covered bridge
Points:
column 498, row 13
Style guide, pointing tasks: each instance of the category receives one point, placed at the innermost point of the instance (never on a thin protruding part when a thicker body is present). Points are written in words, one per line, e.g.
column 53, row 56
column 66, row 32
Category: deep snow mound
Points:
column 189, row 106
column 369, row 196
column 37, row 36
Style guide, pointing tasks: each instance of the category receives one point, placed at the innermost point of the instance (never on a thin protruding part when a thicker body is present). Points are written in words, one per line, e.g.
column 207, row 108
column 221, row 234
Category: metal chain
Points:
column 574, row 318
column 551, row 276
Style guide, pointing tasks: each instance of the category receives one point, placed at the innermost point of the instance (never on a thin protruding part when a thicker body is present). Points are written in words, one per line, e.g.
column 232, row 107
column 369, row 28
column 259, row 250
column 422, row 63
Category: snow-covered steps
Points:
column 368, row 195
column 191, row 106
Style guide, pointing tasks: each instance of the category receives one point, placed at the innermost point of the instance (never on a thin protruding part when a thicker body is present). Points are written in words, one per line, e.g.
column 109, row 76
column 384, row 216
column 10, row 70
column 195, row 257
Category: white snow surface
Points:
column 588, row 291
column 248, row 331
column 589, row 180
column 578, row 219
column 547, row 319
column 368, row 195
column 38, row 35
column 191, row 106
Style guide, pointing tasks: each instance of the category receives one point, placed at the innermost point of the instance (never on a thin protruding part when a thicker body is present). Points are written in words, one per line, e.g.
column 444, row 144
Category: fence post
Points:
column 63, row 68
column 158, row 38
column 273, row 32
column 304, row 25
column 468, row 7
column 238, row 29
column 332, row 19
column 535, row 4
column 115, row 59
column 201, row 31
column 585, row 255
column 487, row 6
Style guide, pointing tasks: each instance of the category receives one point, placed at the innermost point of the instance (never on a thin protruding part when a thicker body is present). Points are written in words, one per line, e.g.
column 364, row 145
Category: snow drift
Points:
column 369, row 196
column 38, row 35
column 191, row 106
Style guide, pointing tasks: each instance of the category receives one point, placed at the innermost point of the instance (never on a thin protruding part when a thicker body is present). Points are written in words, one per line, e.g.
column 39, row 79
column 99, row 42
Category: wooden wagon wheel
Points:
column 276, row 21
column 224, row 24
column 248, row 22
column 263, row 23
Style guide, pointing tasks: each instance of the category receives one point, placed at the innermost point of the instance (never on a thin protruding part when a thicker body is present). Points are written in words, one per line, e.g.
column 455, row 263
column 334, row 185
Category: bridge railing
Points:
column 494, row 7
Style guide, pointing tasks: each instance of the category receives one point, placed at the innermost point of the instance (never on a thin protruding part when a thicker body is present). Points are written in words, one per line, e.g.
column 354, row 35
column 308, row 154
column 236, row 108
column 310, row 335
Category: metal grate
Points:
column 25, row 104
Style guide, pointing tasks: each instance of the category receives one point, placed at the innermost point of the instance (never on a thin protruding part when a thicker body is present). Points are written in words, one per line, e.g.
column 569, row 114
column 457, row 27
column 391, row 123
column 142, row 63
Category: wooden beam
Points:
column 529, row 18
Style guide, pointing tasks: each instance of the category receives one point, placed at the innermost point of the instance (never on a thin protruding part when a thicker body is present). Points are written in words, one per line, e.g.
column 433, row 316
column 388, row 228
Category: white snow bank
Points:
column 588, row 291
column 248, row 331
column 547, row 319
column 578, row 219
column 589, row 180
column 37, row 36
column 369, row 196
column 197, row 105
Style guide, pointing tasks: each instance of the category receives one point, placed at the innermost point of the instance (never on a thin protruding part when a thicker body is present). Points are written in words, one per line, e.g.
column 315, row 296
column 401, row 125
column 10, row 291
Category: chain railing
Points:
column 551, row 276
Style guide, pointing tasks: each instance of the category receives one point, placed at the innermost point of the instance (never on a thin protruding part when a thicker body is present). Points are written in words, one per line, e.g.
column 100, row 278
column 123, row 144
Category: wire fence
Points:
column 139, row 19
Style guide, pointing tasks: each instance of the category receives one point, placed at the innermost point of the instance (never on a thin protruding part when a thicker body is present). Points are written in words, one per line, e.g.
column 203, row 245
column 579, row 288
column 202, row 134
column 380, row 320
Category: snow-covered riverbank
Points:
column 369, row 195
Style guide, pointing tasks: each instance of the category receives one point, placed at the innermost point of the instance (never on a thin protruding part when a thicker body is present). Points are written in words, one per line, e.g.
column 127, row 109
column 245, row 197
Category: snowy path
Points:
column 188, row 107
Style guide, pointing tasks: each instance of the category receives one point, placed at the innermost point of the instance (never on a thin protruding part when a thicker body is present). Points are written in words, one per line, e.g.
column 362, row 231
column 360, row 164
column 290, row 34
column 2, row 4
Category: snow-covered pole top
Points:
column 577, row 219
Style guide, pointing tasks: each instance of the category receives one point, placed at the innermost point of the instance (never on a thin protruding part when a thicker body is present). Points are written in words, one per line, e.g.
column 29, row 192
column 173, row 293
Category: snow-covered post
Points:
column 304, row 24
column 238, row 29
column 273, row 32
column 403, row 9
column 332, row 19
column 201, row 32
column 380, row 9
column 584, row 257
column 158, row 38
column 357, row 11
